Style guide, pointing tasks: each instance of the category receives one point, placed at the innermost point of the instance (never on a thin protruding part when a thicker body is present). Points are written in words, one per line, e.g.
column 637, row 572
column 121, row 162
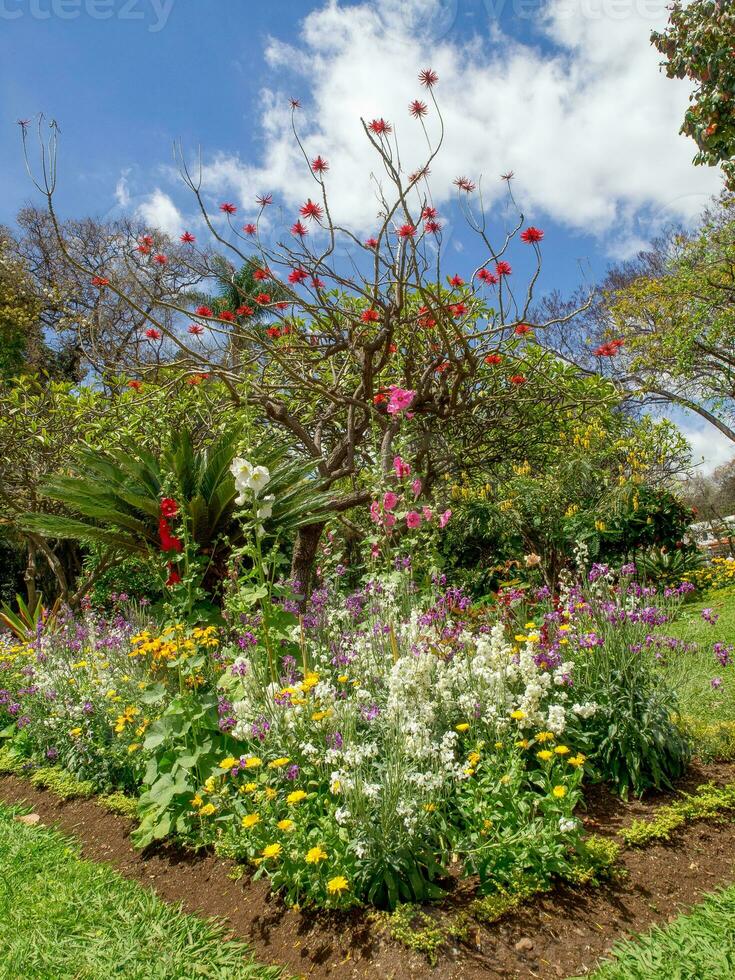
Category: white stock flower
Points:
column 266, row 508
column 259, row 479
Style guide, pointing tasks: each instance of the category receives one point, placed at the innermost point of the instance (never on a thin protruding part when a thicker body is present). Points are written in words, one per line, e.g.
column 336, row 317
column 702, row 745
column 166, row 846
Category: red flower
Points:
column 297, row 276
column 203, row 311
column 380, row 398
column 456, row 281
column 282, row 305
column 228, row 208
column 429, row 212
column 428, row 77
column 173, row 576
column 458, row 309
column 169, row 507
column 317, row 283
column 392, row 349
column 244, row 311
column 262, row 298
column 311, row 210
column 261, row 274
column 146, row 240
column 153, row 334
column 406, row 231
column 417, row 108
column 294, row 103
column 493, row 359
column 371, row 243
column 433, row 227
column 370, row 316
column 521, row 329
column 169, row 542
column 464, row 184
column 161, row 259
column 299, row 228
column 609, row 349
column 503, row 268
column 486, row 276
column 196, row 328
column 249, row 228
column 531, row 235
column 188, row 238
column 418, row 174
column 441, row 368
column 144, row 249
column 227, row 315
column 318, row 165
column 135, row 385
column 518, row 379
column 379, row 127
column 273, row 331
column 196, row 379
column 100, row 281
column 424, row 319
column 264, row 200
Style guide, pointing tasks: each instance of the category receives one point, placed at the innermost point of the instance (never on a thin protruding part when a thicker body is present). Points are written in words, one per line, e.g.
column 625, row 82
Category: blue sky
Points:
column 567, row 93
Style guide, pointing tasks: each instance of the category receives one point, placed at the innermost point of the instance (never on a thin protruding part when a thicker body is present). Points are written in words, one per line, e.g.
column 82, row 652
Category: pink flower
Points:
column 390, row 500
column 375, row 512
column 375, row 551
column 416, row 487
column 401, row 468
column 427, row 512
column 413, row 518
column 445, row 518
column 389, row 520
column 400, row 399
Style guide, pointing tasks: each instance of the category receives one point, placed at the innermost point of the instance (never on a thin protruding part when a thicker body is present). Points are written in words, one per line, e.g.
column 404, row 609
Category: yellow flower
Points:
column 133, row 747
column 544, row 755
column 75, row 732
column 565, row 627
column 335, row 886
column 296, row 797
column 228, row 763
column 576, row 760
column 270, row 793
column 559, row 792
column 250, row 820
column 315, row 855
column 561, row 750
column 208, row 809
column 522, row 743
column 545, row 737
column 505, row 780
column 209, row 784
column 343, row 678
column 462, row 727
column 498, row 745
column 250, row 787
column 530, row 626
column 285, row 825
column 429, row 807
column 197, row 801
column 321, row 715
column 518, row 715
column 272, row 851
column 277, row 763
column 252, row 762
column 473, row 758
column 520, row 637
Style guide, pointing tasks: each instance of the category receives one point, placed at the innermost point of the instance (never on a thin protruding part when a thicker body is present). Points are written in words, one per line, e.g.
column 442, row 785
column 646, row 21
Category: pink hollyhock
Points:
column 375, row 512
column 531, row 236
column 375, row 551
column 413, row 519
column 427, row 512
column 173, row 576
column 400, row 399
column 390, row 500
column 401, row 467
column 416, row 487
column 169, row 541
column 169, row 507
column 445, row 518
column 389, row 520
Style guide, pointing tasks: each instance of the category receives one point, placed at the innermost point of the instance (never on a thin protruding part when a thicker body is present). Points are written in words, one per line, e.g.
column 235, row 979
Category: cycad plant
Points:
column 179, row 505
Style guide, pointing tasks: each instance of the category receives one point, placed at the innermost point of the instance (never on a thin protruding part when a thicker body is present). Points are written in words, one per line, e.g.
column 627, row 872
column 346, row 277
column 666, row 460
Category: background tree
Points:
column 697, row 44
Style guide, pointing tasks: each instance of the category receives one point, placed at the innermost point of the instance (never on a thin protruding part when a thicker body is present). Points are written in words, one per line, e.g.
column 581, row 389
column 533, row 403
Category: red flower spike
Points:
column 264, row 200
column 317, row 283
column 262, row 298
column 100, row 281
column 428, row 77
column 160, row 259
column 493, row 359
column 370, row 316
column 531, row 235
column 135, row 385
column 522, row 329
column 417, row 108
column 371, row 243
column 487, row 277
column 458, row 309
column 282, row 305
column 380, row 127
column 428, row 212
column 260, row 275
column 153, row 334
column 146, row 240
column 456, row 281
column 518, row 379
column 228, row 208
column 297, row 276
column 311, row 210
column 319, row 165
column 245, row 311
column 464, row 184
column 203, row 311
column 273, row 332
column 196, row 328
column 503, row 268
column 406, row 231
column 299, row 228
column 187, row 238
column 227, row 315
column 144, row 249
column 294, row 103
column 250, row 228
column 433, row 227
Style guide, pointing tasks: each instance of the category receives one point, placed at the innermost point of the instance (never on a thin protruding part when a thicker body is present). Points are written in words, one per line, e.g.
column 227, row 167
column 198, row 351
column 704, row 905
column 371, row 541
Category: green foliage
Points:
column 125, row 806
column 707, row 803
column 695, row 946
column 669, row 567
column 62, row 783
column 413, row 927
column 24, row 622
column 697, row 44
column 63, row 917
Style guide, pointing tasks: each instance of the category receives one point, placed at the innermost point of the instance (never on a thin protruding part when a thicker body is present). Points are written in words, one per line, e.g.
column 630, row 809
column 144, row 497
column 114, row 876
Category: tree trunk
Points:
column 304, row 556
column 30, row 575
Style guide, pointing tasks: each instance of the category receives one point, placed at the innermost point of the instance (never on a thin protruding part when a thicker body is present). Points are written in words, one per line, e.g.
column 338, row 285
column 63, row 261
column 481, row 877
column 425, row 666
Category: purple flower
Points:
column 293, row 772
column 598, row 571
column 370, row 712
column 716, row 683
column 52, row 754
column 23, row 721
column 335, row 740
column 723, row 653
column 628, row 569
column 260, row 728
column 709, row 616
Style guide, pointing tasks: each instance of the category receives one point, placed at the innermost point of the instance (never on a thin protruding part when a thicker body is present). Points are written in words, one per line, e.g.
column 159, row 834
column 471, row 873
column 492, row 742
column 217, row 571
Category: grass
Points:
column 62, row 917
column 697, row 946
column 707, row 712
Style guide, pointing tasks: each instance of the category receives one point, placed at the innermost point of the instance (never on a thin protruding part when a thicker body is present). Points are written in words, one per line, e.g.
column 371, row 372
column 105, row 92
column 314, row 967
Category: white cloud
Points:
column 710, row 448
column 122, row 193
column 587, row 122
column 158, row 211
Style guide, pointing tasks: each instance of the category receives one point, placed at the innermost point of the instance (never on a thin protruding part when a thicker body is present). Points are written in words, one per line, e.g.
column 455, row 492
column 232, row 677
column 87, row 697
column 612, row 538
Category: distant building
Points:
column 715, row 537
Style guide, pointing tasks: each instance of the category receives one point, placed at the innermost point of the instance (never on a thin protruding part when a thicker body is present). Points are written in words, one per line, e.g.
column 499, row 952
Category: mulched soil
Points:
column 561, row 934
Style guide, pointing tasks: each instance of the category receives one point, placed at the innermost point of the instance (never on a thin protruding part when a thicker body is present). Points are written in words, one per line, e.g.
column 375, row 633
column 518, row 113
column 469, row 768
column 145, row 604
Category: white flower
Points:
column 266, row 508
column 566, row 826
column 259, row 479
column 242, row 470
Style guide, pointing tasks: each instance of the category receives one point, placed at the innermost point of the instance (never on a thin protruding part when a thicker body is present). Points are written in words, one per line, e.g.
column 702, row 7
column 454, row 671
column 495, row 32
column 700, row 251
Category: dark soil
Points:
column 561, row 934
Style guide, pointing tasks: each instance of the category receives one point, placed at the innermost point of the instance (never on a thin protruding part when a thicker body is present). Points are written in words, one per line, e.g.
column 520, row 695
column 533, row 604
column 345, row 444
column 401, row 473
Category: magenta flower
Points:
column 416, row 487
column 413, row 518
column 427, row 512
column 375, row 512
column 401, row 467
column 390, row 500
column 399, row 399
column 445, row 518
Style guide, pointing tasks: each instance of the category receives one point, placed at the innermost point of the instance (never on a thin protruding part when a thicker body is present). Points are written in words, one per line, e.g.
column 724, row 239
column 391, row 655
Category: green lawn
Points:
column 708, row 711
column 62, row 917
column 697, row 946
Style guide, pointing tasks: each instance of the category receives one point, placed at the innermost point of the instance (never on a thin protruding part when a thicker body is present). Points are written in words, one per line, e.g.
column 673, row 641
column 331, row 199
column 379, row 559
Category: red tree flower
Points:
column 458, row 309
column 228, row 208
column 417, row 108
column 249, row 228
column 188, row 238
column 153, row 334
column 371, row 243
column 227, row 315
column 203, row 311
column 264, row 200
column 521, row 329
column 299, row 228
column 493, row 359
column 503, row 268
column 196, row 328
column 488, row 277
column 100, row 281
column 433, row 227
column 297, row 276
column 319, row 165
column 456, row 281
column 262, row 298
column 260, row 275
column 518, row 379
column 160, row 259
column 380, row 127
column 135, row 385
column 370, row 316
column 428, row 77
column 428, row 212
column 406, row 231
column 531, row 235
column 244, row 311
column 464, row 184
column 311, row 210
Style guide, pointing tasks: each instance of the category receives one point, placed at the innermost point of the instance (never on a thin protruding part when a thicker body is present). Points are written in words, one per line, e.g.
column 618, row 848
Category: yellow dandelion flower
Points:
column 518, row 715
column 228, row 763
column 296, row 797
column 277, row 763
column 197, row 801
column 559, row 792
column 562, row 750
column 315, row 855
column 576, row 760
column 545, row 737
column 337, row 885
column 252, row 762
column 544, row 755
column 207, row 810
column 250, row 820
column 272, row 851
column 462, row 727
column 285, row 824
